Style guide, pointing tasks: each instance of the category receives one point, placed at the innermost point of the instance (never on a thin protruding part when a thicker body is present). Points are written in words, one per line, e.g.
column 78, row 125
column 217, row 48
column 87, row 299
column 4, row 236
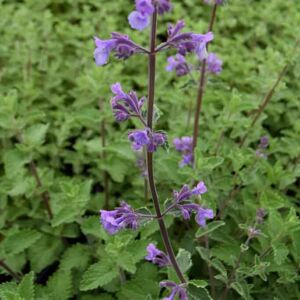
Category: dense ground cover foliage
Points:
column 63, row 156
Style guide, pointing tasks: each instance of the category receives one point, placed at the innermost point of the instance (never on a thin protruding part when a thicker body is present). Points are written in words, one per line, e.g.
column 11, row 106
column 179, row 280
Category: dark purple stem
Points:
column 202, row 85
column 151, row 93
column 105, row 174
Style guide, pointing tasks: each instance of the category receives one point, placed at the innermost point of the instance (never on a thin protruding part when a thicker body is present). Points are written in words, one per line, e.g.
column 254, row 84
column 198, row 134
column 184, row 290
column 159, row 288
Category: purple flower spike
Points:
column 200, row 189
column 202, row 215
column 185, row 146
column 178, row 63
column 175, row 290
column 125, row 105
column 213, row 64
column 201, row 41
column 156, row 256
column 120, row 218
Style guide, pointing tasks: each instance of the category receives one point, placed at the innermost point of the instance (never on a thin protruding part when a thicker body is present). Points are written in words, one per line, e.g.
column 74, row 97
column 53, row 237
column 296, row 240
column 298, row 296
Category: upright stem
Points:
column 45, row 195
column 105, row 174
column 264, row 103
column 33, row 169
column 202, row 84
column 9, row 270
column 269, row 95
column 151, row 93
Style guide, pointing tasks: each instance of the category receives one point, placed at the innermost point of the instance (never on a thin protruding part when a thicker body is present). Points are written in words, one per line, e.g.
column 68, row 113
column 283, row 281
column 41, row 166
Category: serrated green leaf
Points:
column 35, row 135
column 98, row 274
column 19, row 241
column 59, row 285
column 26, row 287
column 184, row 260
column 198, row 293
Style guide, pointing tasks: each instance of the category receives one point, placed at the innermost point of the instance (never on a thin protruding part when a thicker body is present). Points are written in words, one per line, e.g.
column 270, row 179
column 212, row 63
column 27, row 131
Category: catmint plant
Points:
column 128, row 105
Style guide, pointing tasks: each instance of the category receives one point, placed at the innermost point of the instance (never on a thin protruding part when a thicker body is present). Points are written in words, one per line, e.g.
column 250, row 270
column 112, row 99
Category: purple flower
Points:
column 125, row 105
column 199, row 189
column 185, row 193
column 202, row 215
column 178, row 63
column 175, row 290
column 139, row 138
column 185, row 146
column 264, row 142
column 119, row 43
column 138, row 21
column 189, row 41
column 156, row 256
column 211, row 2
column 146, row 137
column 201, row 41
column 140, row 18
column 120, row 218
column 213, row 64
column 163, row 6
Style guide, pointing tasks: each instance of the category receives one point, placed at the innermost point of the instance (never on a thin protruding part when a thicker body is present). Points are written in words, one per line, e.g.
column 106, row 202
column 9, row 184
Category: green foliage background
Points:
column 50, row 91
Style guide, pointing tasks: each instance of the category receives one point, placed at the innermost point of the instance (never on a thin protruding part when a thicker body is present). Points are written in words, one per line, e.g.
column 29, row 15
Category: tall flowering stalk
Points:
column 203, row 78
column 127, row 105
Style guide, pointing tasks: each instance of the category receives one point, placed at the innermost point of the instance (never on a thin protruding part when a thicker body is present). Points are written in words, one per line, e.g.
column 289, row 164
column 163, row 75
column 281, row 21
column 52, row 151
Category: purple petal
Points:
column 138, row 21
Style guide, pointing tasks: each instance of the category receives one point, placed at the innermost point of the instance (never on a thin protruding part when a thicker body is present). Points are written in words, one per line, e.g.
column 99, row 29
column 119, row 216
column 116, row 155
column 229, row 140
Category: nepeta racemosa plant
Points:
column 129, row 105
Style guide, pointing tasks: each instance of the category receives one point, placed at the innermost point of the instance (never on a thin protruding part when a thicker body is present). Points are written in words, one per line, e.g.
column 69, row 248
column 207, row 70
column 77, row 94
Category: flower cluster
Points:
column 186, row 207
column 213, row 64
column 148, row 138
column 119, row 43
column 176, row 290
column 125, row 105
column 185, row 146
column 140, row 18
column 120, row 218
column 190, row 42
column 178, row 64
column 157, row 256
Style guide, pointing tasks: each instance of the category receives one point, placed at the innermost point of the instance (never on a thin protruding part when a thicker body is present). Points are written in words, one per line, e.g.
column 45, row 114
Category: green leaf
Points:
column 75, row 257
column 97, row 275
column 198, row 293
column 204, row 253
column 209, row 228
column 19, row 241
column 59, row 286
column 92, row 226
column 142, row 286
column 26, row 287
column 198, row 283
column 242, row 289
column 14, row 160
column 9, row 291
column 272, row 200
column 184, row 260
column 35, row 135
column 206, row 164
column 280, row 253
